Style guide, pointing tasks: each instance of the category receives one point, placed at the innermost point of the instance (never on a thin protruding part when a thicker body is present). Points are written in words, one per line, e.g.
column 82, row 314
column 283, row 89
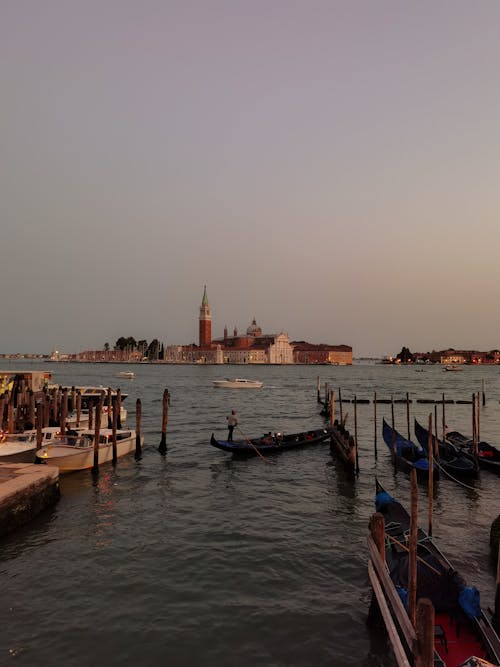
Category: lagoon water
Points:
column 195, row 558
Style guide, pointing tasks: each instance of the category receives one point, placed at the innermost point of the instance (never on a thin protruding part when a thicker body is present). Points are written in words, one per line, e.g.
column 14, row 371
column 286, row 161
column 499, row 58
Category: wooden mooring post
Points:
column 430, row 450
column 162, row 448
column 138, row 419
column 356, row 433
column 318, row 389
column 375, row 424
column 114, row 426
column 97, row 434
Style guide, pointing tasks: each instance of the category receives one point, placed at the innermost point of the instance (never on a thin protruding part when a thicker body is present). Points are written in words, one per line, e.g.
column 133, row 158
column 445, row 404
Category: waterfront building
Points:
column 252, row 347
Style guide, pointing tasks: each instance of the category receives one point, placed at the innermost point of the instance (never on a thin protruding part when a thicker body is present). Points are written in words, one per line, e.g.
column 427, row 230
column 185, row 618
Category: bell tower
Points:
column 205, row 321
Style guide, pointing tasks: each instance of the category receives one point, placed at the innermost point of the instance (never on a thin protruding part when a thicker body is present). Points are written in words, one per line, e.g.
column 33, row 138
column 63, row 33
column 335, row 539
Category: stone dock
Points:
column 25, row 490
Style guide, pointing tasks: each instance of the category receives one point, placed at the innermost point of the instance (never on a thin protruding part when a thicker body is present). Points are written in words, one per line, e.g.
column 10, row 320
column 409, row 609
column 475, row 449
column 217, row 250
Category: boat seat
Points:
column 440, row 635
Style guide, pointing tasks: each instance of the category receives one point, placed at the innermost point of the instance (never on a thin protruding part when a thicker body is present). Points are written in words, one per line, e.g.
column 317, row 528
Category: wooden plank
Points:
column 390, row 591
column 397, row 646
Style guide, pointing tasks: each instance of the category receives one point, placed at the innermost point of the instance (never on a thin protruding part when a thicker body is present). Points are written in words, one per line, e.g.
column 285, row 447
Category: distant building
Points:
column 252, row 347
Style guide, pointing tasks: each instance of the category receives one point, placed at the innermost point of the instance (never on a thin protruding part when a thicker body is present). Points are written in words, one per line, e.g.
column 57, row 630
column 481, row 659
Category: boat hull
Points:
column 237, row 384
column 271, row 444
column 73, row 458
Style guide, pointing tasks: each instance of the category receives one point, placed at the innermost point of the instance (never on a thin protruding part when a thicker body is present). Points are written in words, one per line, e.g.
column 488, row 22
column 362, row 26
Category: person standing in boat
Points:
column 232, row 421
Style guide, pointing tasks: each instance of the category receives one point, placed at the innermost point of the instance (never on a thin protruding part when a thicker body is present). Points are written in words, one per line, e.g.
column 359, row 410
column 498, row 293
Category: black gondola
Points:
column 460, row 623
column 452, row 459
column 488, row 456
column 409, row 456
column 272, row 444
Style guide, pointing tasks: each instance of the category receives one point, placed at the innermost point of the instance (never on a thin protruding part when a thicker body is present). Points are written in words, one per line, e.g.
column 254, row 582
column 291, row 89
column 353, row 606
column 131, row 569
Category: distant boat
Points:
column 238, row 383
column 126, row 374
column 452, row 367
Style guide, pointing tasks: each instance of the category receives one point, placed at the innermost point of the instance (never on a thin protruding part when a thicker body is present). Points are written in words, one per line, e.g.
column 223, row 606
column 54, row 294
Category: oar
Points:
column 254, row 447
column 400, row 544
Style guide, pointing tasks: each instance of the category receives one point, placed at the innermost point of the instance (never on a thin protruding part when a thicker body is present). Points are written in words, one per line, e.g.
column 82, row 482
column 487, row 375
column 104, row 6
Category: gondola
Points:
column 409, row 456
column 461, row 627
column 452, row 459
column 272, row 443
column 488, row 455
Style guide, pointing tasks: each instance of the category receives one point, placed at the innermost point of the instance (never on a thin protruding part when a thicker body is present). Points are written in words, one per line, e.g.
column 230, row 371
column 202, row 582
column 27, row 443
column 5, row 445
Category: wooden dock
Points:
column 26, row 490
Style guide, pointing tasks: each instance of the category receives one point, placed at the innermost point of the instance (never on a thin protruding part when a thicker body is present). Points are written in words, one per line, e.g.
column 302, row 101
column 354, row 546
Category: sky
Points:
column 330, row 168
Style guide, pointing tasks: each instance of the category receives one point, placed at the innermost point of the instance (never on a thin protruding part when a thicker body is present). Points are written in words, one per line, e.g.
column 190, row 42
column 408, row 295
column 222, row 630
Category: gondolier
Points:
column 232, row 421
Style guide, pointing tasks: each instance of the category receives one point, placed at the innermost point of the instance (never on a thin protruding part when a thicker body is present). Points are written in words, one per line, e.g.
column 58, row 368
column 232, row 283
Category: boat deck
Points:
column 456, row 649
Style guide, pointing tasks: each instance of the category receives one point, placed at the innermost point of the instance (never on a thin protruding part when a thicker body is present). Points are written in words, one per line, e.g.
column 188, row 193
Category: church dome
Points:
column 254, row 329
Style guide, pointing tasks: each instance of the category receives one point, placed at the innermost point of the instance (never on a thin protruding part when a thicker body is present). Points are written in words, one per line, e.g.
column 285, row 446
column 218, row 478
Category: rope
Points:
column 400, row 544
column 254, row 447
column 466, row 486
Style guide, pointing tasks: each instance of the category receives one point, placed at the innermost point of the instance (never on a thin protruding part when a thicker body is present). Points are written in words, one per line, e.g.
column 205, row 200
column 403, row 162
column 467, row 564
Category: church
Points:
column 252, row 347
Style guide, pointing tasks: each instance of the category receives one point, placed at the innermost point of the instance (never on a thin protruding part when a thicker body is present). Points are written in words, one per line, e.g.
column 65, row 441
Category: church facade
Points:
column 252, row 347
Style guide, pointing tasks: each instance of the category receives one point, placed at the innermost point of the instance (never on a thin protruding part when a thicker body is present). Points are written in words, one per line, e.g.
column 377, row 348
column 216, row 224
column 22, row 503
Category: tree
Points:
column 106, row 347
column 405, row 356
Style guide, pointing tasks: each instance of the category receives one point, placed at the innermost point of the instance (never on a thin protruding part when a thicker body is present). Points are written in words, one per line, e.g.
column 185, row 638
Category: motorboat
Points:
column 78, row 454
column 130, row 375
column 21, row 447
column 237, row 383
column 453, row 368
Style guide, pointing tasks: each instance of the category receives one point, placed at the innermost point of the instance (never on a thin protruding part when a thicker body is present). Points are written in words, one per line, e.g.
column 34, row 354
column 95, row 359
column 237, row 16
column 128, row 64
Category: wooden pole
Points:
column 377, row 531
column 164, row 422
column 473, row 421
column 31, row 402
column 78, row 408
column 356, row 433
column 394, row 451
column 73, row 398
column 10, row 417
column 424, row 655
column 375, row 424
column 138, row 418
column 431, row 475
column 483, row 392
column 2, row 406
column 114, row 424
column 332, row 410
column 97, row 434
column 119, row 407
column 340, row 407
column 478, row 419
column 91, row 419
column 46, row 410
column 408, row 414
column 412, row 560
column 444, row 420
column 39, row 424
column 64, row 411
column 318, row 389
column 110, row 407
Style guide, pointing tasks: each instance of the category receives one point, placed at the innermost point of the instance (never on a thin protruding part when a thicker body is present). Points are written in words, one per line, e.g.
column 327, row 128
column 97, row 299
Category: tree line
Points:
column 151, row 351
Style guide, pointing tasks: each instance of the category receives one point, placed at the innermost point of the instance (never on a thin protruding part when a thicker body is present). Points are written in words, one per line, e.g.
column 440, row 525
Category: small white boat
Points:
column 453, row 367
column 238, row 383
column 130, row 375
column 21, row 447
column 80, row 455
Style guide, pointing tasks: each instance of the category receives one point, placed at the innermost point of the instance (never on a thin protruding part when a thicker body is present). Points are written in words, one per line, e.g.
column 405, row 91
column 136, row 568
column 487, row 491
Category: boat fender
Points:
column 469, row 600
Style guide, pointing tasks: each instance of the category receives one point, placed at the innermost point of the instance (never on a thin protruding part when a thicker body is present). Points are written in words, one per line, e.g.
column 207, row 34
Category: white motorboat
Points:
column 21, row 447
column 238, row 383
column 453, row 368
column 80, row 455
column 130, row 375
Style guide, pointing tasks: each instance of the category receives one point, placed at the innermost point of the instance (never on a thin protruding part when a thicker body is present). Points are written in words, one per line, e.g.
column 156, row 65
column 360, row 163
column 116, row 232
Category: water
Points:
column 199, row 559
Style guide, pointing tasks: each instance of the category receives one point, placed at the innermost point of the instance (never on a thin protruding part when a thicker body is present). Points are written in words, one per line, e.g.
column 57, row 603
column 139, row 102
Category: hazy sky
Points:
column 331, row 168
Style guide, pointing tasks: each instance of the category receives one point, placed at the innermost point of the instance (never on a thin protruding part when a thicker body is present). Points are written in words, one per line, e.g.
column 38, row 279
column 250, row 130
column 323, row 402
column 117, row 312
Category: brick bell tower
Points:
column 205, row 321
